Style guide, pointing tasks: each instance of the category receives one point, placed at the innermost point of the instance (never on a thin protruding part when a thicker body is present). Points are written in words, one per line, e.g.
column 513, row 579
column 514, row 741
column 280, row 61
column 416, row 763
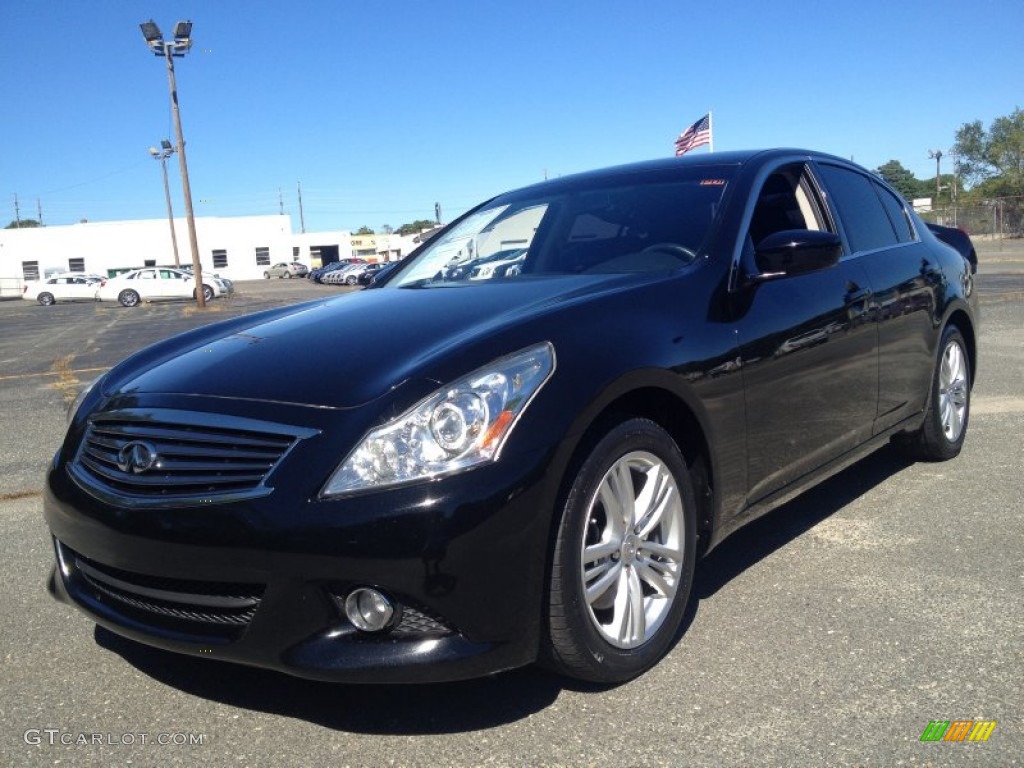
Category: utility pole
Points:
column 280, row 201
column 302, row 216
column 17, row 213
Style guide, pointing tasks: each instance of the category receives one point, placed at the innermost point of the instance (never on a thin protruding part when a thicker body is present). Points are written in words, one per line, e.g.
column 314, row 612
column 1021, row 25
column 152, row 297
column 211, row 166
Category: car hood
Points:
column 351, row 350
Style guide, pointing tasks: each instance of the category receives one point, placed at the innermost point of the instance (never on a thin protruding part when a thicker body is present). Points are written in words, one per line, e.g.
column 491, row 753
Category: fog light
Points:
column 368, row 609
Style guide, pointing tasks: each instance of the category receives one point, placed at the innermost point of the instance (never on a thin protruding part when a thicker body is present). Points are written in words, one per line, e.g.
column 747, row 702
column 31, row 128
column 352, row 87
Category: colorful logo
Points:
column 958, row 730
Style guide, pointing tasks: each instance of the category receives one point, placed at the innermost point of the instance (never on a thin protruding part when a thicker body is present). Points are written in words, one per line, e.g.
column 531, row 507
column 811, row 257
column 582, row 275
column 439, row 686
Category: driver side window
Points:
column 786, row 201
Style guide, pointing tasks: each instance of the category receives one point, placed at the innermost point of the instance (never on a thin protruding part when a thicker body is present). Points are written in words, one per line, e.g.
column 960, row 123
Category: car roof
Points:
column 734, row 158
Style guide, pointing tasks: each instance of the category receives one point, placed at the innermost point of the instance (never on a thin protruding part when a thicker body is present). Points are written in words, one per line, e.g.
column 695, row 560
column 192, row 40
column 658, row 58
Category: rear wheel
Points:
column 128, row 298
column 46, row 299
column 207, row 293
column 942, row 434
column 624, row 557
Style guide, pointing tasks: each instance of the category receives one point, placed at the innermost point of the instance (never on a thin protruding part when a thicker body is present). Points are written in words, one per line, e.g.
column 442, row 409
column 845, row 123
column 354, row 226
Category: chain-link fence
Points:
column 1000, row 217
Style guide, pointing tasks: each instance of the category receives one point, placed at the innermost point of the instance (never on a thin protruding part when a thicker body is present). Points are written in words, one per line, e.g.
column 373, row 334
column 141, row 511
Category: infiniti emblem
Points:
column 136, row 457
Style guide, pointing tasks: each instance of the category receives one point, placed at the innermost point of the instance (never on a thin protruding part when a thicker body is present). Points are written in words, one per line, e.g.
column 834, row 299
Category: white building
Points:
column 238, row 247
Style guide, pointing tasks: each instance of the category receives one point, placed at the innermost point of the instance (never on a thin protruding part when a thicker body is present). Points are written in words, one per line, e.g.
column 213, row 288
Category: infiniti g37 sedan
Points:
column 526, row 468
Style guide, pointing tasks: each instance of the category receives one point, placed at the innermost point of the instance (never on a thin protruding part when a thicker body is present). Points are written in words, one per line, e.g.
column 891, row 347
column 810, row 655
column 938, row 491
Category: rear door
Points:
column 61, row 287
column 904, row 276
column 146, row 284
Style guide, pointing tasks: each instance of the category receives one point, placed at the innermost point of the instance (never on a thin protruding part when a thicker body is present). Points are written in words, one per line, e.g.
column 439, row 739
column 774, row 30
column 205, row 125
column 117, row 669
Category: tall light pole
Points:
column 179, row 47
column 165, row 151
column 936, row 154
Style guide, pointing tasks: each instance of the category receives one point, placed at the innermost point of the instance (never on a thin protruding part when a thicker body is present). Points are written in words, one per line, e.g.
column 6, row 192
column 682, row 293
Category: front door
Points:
column 808, row 347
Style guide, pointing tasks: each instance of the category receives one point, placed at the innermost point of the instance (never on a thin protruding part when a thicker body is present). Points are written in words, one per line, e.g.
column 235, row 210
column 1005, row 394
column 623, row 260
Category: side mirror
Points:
column 795, row 251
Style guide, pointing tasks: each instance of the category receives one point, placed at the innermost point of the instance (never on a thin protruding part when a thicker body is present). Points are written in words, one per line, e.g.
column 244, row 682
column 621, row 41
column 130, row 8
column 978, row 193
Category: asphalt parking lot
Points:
column 830, row 632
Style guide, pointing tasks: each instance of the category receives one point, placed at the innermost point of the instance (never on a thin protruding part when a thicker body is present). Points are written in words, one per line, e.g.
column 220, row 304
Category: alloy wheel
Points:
column 633, row 549
column 952, row 391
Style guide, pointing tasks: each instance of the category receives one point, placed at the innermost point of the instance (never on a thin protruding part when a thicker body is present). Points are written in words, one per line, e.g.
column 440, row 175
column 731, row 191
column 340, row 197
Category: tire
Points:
column 128, row 298
column 46, row 299
column 351, row 280
column 618, row 592
column 207, row 292
column 942, row 433
column 266, row 275
column 287, row 275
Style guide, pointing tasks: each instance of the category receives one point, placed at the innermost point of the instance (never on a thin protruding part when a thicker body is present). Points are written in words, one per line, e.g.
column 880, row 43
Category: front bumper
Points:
column 262, row 581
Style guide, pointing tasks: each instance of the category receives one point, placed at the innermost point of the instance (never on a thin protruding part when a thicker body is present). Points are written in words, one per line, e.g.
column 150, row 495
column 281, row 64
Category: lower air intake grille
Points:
column 416, row 623
column 192, row 607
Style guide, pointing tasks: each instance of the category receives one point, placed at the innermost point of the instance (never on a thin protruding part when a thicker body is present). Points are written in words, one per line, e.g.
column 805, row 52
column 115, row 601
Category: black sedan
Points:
column 524, row 468
column 959, row 239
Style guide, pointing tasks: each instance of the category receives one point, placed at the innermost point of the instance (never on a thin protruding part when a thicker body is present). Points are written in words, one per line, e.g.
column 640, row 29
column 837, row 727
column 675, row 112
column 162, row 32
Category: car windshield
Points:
column 636, row 225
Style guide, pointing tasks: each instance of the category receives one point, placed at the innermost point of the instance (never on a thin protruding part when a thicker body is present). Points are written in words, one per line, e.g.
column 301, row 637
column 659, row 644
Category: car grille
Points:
column 138, row 458
column 209, row 609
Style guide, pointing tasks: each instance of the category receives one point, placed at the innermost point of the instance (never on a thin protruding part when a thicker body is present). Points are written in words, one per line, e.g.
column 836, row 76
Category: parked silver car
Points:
column 286, row 269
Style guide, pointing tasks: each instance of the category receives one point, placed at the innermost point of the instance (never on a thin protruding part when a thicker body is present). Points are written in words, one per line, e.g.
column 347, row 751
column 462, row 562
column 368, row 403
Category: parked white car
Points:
column 61, row 288
column 153, row 284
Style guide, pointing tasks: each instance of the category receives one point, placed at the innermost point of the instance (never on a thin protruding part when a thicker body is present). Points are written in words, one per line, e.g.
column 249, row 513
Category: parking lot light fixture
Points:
column 165, row 151
column 179, row 46
column 183, row 33
column 151, row 32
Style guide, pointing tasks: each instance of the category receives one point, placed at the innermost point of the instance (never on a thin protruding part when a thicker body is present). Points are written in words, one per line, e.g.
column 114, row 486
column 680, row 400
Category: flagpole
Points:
column 711, row 133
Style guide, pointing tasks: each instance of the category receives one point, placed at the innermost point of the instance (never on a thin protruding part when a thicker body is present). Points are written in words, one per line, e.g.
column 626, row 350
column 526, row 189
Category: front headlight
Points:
column 80, row 398
column 459, row 426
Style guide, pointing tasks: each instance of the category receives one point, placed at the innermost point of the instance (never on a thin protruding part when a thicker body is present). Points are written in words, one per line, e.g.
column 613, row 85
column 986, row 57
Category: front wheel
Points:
column 287, row 275
column 207, row 293
column 942, row 434
column 624, row 557
column 46, row 299
column 266, row 275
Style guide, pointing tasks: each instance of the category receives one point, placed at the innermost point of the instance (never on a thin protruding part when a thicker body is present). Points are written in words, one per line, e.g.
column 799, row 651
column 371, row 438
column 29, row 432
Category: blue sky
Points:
column 383, row 108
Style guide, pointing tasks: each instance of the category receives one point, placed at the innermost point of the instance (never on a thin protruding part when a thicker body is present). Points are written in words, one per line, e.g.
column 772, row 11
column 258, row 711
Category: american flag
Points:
column 696, row 135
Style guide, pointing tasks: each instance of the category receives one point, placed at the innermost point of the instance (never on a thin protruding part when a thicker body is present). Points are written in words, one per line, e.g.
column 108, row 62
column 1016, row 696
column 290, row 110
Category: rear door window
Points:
column 853, row 197
column 897, row 213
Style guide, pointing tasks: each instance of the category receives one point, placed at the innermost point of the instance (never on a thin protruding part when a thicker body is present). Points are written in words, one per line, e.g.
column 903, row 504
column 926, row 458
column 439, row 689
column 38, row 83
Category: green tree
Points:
column 365, row 230
column 415, row 227
column 993, row 159
column 23, row 224
column 902, row 179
